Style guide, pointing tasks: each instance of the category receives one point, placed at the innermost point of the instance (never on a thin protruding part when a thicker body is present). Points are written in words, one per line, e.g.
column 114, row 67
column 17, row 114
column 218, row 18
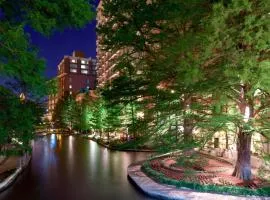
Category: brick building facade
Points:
column 76, row 73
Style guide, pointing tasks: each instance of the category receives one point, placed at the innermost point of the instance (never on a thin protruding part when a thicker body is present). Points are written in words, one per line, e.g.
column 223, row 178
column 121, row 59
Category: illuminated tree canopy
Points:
column 19, row 60
column 195, row 60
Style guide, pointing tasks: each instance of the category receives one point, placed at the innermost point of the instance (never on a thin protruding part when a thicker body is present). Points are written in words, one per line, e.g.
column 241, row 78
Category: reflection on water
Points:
column 68, row 167
column 53, row 141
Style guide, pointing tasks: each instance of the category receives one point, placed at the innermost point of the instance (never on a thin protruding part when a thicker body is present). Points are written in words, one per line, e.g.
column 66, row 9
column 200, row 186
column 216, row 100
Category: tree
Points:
column 162, row 42
column 82, row 111
column 16, row 122
column 208, row 54
column 19, row 61
column 57, row 114
column 51, row 86
column 19, row 58
column 69, row 113
column 122, row 96
column 99, row 116
column 237, row 53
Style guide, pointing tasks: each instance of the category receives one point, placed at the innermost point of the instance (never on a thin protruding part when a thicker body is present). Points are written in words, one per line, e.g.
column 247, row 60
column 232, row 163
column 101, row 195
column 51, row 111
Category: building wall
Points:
column 106, row 60
column 75, row 73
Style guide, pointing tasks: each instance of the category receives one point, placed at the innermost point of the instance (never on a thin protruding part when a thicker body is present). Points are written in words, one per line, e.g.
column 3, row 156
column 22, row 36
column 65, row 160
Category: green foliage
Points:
column 236, row 47
column 18, row 58
column 52, row 88
column 20, row 63
column 156, row 35
column 57, row 116
column 230, row 190
column 100, row 114
column 16, row 122
column 68, row 113
column 47, row 16
column 194, row 65
column 113, row 118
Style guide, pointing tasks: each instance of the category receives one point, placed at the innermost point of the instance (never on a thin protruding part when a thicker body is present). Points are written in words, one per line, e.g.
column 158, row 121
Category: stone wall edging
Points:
column 11, row 179
column 167, row 192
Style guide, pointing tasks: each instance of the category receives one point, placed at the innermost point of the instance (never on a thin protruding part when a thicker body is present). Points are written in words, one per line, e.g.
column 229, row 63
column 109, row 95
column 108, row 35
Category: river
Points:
column 74, row 168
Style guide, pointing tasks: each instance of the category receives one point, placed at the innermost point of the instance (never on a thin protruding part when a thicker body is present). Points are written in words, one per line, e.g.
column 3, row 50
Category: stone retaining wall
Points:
column 23, row 163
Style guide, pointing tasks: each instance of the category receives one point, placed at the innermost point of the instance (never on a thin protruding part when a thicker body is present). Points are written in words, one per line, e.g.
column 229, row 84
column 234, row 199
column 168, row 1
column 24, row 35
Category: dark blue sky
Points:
column 53, row 48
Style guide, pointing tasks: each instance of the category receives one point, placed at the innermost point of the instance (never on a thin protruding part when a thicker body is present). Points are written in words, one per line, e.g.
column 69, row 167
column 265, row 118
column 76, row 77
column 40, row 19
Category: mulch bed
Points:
column 214, row 172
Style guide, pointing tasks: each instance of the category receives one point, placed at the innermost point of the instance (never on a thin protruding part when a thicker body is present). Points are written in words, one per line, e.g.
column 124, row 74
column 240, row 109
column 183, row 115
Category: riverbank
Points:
column 102, row 143
column 115, row 145
column 168, row 192
column 10, row 168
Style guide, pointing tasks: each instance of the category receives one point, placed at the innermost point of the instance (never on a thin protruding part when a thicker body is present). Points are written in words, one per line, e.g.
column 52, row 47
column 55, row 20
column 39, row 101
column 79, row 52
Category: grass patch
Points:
column 136, row 144
column 229, row 190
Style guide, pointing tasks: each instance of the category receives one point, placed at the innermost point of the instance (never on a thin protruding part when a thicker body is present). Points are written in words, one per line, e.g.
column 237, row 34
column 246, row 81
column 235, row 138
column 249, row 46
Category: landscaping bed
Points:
column 205, row 174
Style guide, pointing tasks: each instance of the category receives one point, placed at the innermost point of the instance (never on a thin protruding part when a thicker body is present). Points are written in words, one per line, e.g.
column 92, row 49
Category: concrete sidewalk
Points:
column 161, row 191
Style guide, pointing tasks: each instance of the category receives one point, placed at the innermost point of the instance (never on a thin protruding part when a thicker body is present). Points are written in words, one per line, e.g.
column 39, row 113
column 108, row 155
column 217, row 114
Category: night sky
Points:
column 59, row 44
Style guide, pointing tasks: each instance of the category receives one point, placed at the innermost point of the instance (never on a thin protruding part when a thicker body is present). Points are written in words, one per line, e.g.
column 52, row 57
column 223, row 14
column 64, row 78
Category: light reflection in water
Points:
column 92, row 154
column 59, row 141
column 73, row 173
column 105, row 160
column 70, row 151
column 53, row 141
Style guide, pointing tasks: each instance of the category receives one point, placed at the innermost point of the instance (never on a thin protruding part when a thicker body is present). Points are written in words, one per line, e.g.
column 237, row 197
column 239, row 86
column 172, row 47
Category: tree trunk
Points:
column 188, row 123
column 242, row 168
column 188, row 129
column 227, row 139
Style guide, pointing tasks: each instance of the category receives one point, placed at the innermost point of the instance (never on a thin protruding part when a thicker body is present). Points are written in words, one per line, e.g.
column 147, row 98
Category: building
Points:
column 76, row 73
column 106, row 60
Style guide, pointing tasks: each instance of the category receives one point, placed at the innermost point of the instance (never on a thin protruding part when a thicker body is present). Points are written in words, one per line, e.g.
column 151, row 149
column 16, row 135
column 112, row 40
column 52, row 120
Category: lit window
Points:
column 70, row 86
column 83, row 62
column 73, row 70
column 84, row 66
column 84, row 71
column 73, row 60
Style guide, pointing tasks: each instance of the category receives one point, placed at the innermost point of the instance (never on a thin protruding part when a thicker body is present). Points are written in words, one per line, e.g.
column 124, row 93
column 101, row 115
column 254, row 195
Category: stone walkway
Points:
column 161, row 191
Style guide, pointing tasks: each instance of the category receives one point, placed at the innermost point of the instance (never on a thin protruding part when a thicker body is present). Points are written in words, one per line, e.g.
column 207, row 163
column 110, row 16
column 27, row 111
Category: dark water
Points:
column 68, row 167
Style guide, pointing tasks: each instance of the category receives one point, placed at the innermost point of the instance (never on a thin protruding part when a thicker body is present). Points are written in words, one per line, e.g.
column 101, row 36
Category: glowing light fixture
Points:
column 22, row 96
